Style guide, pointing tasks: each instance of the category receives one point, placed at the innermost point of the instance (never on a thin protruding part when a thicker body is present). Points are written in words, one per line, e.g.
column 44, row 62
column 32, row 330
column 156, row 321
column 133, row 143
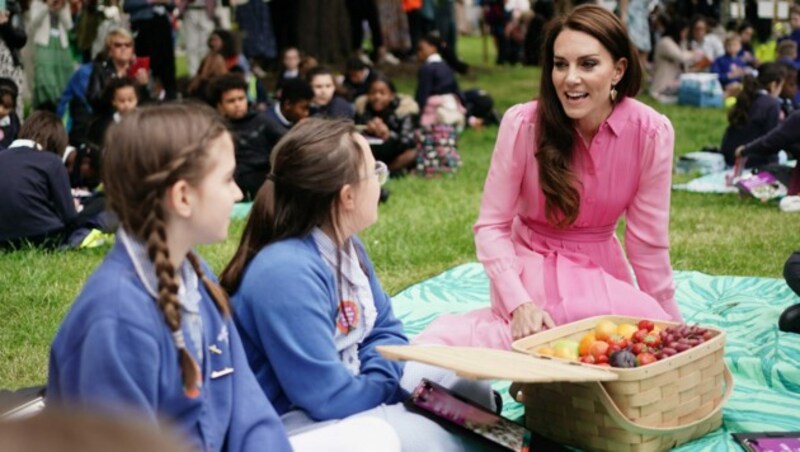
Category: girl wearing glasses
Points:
column 308, row 304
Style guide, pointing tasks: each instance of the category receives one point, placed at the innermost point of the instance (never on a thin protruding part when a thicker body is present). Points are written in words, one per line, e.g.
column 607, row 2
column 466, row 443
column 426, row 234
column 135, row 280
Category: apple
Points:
column 605, row 329
column 566, row 348
column 626, row 330
column 599, row 348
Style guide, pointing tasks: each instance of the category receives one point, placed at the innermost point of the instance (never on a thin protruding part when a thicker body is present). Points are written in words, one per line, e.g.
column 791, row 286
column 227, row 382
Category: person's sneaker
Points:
column 790, row 319
column 389, row 58
column 365, row 59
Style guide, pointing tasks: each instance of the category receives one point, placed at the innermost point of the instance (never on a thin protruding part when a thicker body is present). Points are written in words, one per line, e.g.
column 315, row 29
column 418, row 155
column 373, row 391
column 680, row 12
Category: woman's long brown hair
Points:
column 555, row 133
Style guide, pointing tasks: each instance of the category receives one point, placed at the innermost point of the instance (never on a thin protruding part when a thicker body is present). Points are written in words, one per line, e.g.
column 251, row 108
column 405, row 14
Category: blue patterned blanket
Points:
column 765, row 362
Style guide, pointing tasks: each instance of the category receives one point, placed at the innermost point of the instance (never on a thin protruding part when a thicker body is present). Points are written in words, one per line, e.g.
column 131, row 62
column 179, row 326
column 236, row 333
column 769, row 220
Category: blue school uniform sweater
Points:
column 286, row 310
column 724, row 65
column 115, row 353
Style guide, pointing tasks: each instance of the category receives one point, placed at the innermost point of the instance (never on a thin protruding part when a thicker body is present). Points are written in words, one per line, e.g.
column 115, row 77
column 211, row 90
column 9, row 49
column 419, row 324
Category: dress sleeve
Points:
column 289, row 304
column 501, row 194
column 647, row 227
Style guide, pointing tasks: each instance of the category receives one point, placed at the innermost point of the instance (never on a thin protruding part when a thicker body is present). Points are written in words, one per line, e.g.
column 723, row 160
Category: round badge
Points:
column 348, row 316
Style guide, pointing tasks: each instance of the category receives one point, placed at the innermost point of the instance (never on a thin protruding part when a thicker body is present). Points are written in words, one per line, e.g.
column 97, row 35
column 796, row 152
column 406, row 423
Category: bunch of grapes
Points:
column 676, row 339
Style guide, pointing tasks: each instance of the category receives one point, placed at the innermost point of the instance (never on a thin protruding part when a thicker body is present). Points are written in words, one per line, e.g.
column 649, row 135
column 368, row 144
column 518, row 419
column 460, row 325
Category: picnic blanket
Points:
column 765, row 362
column 715, row 182
column 710, row 183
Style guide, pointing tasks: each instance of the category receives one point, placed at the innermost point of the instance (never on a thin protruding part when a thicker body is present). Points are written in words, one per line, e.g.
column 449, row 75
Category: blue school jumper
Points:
column 287, row 311
column 115, row 353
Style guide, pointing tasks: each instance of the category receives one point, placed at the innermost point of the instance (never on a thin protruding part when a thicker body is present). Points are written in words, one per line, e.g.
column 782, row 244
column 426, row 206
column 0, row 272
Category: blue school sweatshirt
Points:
column 114, row 353
column 286, row 310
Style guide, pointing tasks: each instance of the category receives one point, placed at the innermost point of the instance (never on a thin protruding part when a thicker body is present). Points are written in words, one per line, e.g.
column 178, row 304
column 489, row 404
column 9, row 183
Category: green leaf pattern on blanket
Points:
column 765, row 362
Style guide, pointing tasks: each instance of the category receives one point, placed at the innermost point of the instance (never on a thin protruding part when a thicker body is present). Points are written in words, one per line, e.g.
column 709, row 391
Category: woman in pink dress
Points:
column 565, row 169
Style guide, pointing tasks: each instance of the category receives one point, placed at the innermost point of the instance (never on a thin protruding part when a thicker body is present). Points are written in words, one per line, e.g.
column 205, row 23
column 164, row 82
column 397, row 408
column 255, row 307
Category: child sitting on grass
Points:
column 37, row 206
column 9, row 121
column 122, row 98
column 730, row 68
column 390, row 119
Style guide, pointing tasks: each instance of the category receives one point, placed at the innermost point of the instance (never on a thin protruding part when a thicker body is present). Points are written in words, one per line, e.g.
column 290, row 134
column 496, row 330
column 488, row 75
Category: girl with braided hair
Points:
column 151, row 331
column 308, row 304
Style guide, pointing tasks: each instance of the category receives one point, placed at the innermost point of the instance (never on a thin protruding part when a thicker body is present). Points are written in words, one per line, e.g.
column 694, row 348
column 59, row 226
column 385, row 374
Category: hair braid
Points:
column 155, row 235
column 217, row 293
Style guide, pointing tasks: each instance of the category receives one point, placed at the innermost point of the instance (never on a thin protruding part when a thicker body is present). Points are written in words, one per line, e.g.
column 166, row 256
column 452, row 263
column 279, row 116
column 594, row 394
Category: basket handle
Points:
column 634, row 427
column 516, row 388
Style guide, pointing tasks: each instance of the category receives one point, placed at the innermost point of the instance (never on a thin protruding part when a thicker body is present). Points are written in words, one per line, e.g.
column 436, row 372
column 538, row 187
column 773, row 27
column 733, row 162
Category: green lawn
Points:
column 424, row 229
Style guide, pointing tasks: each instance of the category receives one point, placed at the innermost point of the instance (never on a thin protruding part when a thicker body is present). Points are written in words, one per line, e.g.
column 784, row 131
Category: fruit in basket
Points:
column 586, row 342
column 646, row 325
column 645, row 358
column 638, row 347
column 617, row 341
column 545, row 351
column 605, row 329
column 599, row 348
column 623, row 359
column 567, row 349
column 626, row 330
column 652, row 340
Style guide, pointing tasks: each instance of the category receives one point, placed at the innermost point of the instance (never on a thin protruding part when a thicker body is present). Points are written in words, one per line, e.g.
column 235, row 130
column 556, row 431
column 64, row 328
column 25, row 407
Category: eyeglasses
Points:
column 382, row 172
column 118, row 45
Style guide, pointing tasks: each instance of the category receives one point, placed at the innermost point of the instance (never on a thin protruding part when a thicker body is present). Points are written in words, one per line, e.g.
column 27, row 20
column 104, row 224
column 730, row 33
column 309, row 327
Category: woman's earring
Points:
column 613, row 93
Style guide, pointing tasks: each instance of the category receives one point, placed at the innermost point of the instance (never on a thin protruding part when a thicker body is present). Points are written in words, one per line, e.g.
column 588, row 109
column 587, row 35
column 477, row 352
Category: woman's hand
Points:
column 529, row 319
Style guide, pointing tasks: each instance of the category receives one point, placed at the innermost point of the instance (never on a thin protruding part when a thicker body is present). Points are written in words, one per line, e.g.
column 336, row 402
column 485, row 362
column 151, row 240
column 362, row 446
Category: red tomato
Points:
column 638, row 348
column 618, row 341
column 646, row 358
column 652, row 340
column 602, row 359
column 646, row 325
column 639, row 335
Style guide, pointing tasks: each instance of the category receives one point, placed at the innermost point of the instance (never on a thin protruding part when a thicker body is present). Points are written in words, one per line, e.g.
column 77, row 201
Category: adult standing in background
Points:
column 199, row 18
column 12, row 39
column 324, row 32
column 53, row 66
column 152, row 30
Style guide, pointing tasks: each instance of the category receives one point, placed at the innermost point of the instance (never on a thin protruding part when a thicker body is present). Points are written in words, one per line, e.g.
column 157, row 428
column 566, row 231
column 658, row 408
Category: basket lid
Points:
column 489, row 364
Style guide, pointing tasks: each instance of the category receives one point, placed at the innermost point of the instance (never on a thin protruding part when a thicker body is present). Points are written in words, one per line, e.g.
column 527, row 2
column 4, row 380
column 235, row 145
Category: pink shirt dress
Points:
column 580, row 271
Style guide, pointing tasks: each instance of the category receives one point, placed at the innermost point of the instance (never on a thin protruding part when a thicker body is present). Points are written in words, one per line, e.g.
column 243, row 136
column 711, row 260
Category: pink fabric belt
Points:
column 572, row 234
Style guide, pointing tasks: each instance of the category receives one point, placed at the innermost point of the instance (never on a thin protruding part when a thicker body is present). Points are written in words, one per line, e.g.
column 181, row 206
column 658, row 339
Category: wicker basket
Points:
column 648, row 408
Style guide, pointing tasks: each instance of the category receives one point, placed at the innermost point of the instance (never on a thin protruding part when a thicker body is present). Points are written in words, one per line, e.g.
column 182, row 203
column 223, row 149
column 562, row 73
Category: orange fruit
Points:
column 586, row 342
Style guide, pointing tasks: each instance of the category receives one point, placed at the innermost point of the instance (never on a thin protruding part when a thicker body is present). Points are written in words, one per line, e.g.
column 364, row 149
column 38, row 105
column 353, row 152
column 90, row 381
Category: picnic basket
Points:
column 648, row 408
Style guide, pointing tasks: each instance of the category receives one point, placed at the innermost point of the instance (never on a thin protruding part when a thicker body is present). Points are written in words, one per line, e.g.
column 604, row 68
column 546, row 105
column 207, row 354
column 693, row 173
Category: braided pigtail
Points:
column 217, row 293
column 155, row 234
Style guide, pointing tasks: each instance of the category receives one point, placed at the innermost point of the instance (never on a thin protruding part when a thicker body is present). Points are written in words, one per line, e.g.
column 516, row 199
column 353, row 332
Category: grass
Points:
column 424, row 229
